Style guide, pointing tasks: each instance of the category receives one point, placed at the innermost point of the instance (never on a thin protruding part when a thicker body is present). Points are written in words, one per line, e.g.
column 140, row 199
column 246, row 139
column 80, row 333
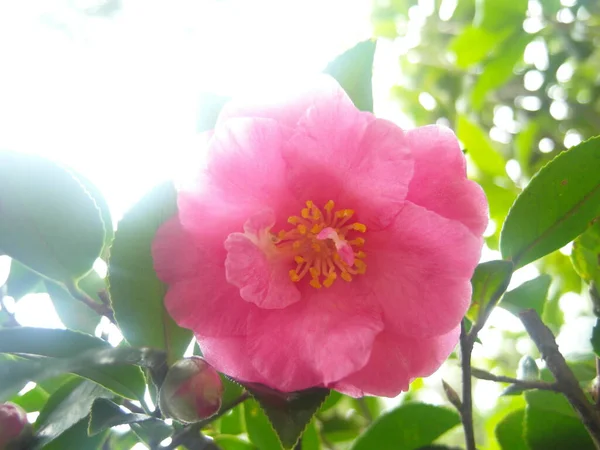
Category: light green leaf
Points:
column 473, row 44
column 530, row 295
column 489, row 282
column 259, row 429
column 496, row 15
column 510, row 432
column 136, row 292
column 32, row 400
column 556, row 206
column 409, row 427
column 233, row 443
column 48, row 220
column 586, row 254
column 353, row 69
column 479, row 148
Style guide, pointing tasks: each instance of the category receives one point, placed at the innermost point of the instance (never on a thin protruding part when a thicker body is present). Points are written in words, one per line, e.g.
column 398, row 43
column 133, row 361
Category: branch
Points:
column 565, row 379
column 100, row 308
column 466, row 409
column 524, row 384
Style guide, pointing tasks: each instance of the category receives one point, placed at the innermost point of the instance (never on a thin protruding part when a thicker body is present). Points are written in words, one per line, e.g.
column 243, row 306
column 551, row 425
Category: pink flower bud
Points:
column 14, row 426
column 192, row 390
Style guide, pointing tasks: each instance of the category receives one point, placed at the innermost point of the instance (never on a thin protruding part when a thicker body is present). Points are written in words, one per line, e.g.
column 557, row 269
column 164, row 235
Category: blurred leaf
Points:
column 69, row 351
column 288, row 413
column 558, row 204
column 530, row 295
column 526, row 143
column 136, row 292
column 32, row 400
column 353, row 69
column 489, row 282
column 479, row 148
column 48, row 221
column 259, row 429
column 472, row 45
column 233, row 443
column 499, row 69
column 495, row 15
column 596, row 338
column 550, row 422
column 76, row 438
column 341, row 429
column 22, row 281
column 510, row 432
column 409, row 427
column 232, row 423
column 66, row 407
column 331, row 401
column 586, row 254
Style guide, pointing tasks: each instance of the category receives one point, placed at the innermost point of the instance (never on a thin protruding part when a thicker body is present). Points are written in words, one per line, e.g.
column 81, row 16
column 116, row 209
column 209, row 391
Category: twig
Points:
column 133, row 408
column 565, row 379
column 466, row 410
column 194, row 429
column 100, row 308
column 525, row 384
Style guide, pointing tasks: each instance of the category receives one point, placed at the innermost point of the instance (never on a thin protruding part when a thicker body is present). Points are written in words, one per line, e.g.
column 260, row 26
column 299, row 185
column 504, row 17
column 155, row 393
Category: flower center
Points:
column 320, row 246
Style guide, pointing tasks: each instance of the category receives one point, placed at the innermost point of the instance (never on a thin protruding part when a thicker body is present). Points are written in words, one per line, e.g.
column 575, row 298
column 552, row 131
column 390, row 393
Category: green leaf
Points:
column 48, row 221
column 106, row 414
column 22, row 281
column 472, row 45
column 66, row 407
column 288, row 413
column 596, row 338
column 409, row 427
column 76, row 438
column 556, row 206
column 233, row 443
column 499, row 69
column 232, row 423
column 530, row 295
column 69, row 351
column 489, row 282
column 496, row 15
column 479, row 148
column 32, row 400
column 136, row 292
column 353, row 69
column 550, row 422
column 260, row 431
column 510, row 432
column 310, row 438
column 586, row 254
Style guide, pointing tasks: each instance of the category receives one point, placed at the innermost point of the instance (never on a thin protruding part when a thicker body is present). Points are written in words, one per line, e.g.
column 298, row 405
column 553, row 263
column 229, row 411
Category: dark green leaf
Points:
column 550, row 422
column 76, row 438
column 353, row 69
column 66, row 407
column 48, row 221
column 510, row 433
column 586, row 254
column 489, row 282
column 530, row 295
column 409, row 427
column 479, row 148
column 69, row 351
column 136, row 293
column 558, row 204
column 289, row 414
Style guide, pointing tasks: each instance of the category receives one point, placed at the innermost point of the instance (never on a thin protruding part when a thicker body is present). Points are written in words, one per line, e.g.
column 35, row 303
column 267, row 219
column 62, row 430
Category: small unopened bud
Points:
column 527, row 369
column 14, row 427
column 192, row 391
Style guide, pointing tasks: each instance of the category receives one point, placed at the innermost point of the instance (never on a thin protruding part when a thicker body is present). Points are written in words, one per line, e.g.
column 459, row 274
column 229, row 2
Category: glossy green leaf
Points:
column 232, row 422
column 76, row 438
column 530, row 295
column 510, row 432
column 288, row 414
column 66, row 407
column 473, row 44
column 32, row 400
column 136, row 292
column 489, row 282
column 310, row 438
column 353, row 69
column 479, row 147
column 68, row 351
column 409, row 427
column 586, row 254
column 48, row 221
column 550, row 422
column 233, row 443
column 556, row 206
column 259, row 429
column 499, row 69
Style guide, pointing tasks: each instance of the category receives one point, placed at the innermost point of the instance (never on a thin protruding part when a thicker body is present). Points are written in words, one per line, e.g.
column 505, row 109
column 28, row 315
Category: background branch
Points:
column 525, row 384
column 466, row 409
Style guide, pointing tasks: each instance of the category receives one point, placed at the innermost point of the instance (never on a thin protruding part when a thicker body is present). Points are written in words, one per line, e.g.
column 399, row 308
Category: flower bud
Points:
column 14, row 427
column 192, row 390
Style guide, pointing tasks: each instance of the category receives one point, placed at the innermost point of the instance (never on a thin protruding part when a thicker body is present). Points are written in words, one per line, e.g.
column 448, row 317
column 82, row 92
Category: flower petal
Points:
column 396, row 361
column 325, row 337
column 420, row 270
column 440, row 182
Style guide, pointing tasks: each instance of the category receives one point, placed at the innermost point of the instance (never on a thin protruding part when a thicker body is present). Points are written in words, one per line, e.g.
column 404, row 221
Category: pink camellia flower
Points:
column 321, row 246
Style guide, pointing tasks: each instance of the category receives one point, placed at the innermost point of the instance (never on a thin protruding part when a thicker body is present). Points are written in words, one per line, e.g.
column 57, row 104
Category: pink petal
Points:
column 419, row 269
column 288, row 107
column 256, row 267
column 440, row 183
column 323, row 338
column 361, row 162
column 396, row 361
